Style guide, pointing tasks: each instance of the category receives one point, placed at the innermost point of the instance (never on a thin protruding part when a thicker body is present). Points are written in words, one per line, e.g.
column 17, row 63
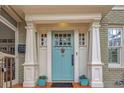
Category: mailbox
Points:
column 21, row 48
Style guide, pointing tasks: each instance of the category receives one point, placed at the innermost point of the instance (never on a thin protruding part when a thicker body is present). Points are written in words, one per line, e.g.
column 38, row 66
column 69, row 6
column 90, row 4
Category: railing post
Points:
column 6, row 69
column 3, row 73
column 6, row 62
column 0, row 72
column 11, row 62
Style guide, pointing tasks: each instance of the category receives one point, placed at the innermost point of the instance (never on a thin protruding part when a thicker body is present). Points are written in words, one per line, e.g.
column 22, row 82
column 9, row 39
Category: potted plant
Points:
column 83, row 80
column 42, row 80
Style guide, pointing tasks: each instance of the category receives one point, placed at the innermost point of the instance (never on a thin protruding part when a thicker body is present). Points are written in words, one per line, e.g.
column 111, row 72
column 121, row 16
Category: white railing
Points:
column 7, row 66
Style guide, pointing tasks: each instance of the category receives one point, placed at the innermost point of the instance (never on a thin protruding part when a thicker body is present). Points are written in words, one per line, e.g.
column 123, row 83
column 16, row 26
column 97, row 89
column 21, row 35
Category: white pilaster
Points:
column 49, row 59
column 30, row 65
column 76, row 56
column 95, row 60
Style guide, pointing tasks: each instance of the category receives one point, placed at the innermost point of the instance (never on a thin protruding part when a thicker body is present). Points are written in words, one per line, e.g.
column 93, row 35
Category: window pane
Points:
column 114, row 55
column 82, row 39
column 44, row 40
column 114, row 36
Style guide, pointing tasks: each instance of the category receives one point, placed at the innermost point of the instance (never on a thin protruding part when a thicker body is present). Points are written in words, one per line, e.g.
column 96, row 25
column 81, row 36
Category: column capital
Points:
column 95, row 24
column 30, row 26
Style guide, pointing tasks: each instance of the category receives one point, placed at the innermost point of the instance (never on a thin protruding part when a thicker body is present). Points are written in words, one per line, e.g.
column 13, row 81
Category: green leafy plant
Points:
column 82, row 77
column 83, row 80
column 43, row 77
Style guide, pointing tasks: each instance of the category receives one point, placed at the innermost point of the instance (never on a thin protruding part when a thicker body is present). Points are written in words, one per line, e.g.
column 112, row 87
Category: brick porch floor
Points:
column 75, row 85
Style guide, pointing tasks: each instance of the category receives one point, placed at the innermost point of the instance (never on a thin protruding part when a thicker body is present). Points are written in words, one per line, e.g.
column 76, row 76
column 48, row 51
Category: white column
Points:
column 30, row 65
column 95, row 58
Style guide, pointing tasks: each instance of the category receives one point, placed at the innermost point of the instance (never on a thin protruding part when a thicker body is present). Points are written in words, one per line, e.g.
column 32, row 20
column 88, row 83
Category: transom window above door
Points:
column 62, row 39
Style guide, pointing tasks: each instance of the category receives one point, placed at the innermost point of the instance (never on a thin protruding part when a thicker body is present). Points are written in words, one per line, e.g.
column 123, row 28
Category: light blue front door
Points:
column 62, row 56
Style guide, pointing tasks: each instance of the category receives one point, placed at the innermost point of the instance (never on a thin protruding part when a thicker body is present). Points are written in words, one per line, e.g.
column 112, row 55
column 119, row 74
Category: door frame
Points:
column 49, row 53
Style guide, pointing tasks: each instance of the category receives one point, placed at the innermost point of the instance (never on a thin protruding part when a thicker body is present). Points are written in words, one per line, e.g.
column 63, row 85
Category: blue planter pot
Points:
column 84, row 82
column 41, row 82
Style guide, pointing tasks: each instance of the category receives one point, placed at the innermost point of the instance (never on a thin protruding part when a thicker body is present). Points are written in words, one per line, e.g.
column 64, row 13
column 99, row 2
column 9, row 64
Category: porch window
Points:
column 43, row 40
column 114, row 45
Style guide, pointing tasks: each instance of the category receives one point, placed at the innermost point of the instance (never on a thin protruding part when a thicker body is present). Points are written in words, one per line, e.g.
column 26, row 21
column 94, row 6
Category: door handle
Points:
column 72, row 60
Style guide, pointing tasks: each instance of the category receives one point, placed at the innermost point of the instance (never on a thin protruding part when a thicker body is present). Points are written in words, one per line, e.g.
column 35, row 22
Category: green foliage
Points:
column 43, row 77
column 82, row 77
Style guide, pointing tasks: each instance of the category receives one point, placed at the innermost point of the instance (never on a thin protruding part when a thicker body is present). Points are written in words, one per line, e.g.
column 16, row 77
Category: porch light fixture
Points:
column 63, row 24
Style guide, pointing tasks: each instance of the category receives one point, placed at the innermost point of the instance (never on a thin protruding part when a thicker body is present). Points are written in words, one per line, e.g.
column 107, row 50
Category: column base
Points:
column 30, row 75
column 29, row 83
column 97, row 84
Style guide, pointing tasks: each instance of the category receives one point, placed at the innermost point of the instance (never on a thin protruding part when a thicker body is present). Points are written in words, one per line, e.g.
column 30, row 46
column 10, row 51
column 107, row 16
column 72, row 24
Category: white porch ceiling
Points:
column 64, row 9
column 58, row 13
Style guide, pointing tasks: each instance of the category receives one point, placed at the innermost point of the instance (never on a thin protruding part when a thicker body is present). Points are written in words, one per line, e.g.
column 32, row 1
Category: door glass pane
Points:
column 62, row 39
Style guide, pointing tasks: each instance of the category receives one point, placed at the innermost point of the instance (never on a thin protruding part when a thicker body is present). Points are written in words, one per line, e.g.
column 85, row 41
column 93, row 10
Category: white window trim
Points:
column 116, row 65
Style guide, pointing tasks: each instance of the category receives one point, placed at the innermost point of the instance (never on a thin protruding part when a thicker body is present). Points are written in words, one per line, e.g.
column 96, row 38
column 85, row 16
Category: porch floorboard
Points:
column 75, row 85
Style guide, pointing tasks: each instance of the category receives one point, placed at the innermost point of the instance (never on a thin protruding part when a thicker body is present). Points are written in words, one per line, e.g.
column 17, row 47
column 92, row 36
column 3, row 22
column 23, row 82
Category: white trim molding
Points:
column 49, row 56
column 118, row 7
column 7, row 23
column 12, row 13
column 57, row 18
column 76, row 56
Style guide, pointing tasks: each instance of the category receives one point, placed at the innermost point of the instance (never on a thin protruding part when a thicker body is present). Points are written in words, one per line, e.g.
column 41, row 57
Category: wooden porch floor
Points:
column 75, row 85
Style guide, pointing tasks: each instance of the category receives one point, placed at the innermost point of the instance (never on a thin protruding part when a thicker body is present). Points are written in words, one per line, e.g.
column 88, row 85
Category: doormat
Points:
column 62, row 85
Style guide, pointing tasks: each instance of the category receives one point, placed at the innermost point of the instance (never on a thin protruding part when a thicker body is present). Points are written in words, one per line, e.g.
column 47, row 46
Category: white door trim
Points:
column 49, row 54
column 76, row 56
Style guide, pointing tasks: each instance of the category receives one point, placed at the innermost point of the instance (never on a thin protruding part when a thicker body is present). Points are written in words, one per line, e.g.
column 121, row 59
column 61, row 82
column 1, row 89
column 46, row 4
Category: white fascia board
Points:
column 118, row 7
column 63, row 17
column 7, row 23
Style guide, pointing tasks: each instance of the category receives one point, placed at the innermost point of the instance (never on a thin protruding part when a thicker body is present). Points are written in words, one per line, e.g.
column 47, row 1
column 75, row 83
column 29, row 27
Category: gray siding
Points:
column 22, row 40
column 110, row 75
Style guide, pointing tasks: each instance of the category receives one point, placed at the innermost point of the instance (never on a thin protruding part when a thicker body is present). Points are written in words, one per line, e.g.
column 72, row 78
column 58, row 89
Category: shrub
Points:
column 43, row 77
